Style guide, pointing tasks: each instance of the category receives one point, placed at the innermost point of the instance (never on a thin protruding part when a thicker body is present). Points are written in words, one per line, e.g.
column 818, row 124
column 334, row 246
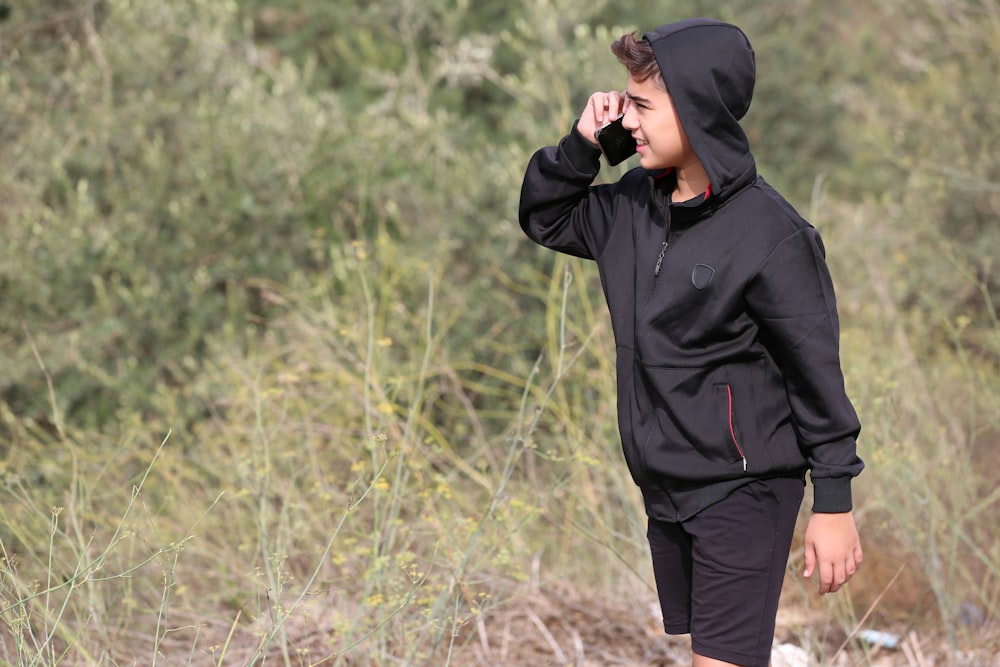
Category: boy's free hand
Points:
column 601, row 109
column 832, row 547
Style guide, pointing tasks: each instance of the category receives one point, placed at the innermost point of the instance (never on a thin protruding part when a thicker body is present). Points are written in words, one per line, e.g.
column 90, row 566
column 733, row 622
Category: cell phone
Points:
column 617, row 143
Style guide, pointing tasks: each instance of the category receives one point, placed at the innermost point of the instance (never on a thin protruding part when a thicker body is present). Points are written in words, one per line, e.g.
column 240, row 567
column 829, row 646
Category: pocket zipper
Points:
column 732, row 429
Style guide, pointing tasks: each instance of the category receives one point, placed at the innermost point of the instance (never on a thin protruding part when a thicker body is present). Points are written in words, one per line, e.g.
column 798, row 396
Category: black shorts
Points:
column 719, row 574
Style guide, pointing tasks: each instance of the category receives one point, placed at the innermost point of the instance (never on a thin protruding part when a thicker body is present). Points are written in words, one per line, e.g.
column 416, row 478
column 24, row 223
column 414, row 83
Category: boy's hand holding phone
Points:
column 601, row 123
column 617, row 142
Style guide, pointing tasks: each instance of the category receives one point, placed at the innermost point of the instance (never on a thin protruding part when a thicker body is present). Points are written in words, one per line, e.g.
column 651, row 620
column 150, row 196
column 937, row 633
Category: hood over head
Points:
column 709, row 70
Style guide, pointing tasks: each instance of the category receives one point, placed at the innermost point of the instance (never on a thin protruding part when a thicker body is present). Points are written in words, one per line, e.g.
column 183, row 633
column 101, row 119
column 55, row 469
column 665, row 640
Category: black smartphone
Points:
column 616, row 142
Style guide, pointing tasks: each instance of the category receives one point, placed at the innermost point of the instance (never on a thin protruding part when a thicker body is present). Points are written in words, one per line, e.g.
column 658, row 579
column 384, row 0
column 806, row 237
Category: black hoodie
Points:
column 723, row 309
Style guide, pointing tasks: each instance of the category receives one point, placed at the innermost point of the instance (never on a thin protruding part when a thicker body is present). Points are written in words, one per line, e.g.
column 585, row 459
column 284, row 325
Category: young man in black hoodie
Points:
column 729, row 379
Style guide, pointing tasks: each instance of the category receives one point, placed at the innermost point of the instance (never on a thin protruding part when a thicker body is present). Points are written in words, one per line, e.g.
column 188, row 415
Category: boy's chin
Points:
column 651, row 163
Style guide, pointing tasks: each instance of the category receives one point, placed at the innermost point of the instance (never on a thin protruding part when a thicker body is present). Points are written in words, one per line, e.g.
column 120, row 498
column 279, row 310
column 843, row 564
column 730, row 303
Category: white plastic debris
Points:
column 879, row 638
column 789, row 655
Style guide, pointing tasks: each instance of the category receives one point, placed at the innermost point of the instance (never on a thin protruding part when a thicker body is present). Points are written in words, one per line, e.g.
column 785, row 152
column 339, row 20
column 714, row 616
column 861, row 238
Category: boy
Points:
column 727, row 338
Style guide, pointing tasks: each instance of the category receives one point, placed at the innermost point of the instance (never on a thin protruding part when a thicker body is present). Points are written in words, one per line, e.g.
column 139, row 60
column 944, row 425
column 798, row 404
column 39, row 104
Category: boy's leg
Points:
column 702, row 661
column 739, row 553
column 670, row 547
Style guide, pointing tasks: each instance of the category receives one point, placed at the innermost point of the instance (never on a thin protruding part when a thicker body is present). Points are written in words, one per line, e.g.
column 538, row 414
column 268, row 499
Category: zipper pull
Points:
column 659, row 260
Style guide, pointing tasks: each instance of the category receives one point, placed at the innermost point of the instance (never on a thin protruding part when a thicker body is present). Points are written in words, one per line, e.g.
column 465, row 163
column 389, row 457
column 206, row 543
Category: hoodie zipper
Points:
column 664, row 210
column 732, row 430
column 659, row 260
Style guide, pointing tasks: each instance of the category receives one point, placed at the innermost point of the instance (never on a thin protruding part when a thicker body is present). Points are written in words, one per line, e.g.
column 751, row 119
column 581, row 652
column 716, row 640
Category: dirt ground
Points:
column 544, row 627
column 558, row 629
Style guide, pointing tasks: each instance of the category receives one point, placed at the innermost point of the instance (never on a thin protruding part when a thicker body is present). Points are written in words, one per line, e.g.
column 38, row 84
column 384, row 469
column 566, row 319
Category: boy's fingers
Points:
column 594, row 115
column 621, row 104
column 810, row 561
column 626, row 101
column 842, row 573
column 606, row 107
column 614, row 105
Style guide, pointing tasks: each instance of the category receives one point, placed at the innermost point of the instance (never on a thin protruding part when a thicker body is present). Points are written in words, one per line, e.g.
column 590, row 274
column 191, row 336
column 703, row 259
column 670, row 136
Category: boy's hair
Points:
column 638, row 58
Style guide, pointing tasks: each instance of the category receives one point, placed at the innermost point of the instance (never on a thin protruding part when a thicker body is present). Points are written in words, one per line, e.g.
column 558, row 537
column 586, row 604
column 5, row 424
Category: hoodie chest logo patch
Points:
column 702, row 275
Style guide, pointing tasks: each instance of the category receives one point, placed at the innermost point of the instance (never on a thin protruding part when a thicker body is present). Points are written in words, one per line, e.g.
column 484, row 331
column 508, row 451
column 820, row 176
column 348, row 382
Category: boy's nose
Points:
column 629, row 120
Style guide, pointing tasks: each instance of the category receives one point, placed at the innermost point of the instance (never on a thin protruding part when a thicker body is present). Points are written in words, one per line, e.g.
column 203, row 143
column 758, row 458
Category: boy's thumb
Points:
column 810, row 564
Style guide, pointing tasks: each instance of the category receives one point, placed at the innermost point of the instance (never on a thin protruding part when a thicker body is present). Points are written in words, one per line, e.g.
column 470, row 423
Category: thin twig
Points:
column 56, row 412
column 868, row 613
column 484, row 640
column 911, row 648
column 560, row 656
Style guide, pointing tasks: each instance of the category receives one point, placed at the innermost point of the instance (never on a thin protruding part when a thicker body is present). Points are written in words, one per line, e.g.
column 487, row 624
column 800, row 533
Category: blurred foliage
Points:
column 921, row 125
column 168, row 166
column 206, row 198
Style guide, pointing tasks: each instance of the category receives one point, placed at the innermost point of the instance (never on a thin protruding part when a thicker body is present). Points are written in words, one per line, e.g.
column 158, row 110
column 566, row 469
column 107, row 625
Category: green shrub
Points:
column 283, row 377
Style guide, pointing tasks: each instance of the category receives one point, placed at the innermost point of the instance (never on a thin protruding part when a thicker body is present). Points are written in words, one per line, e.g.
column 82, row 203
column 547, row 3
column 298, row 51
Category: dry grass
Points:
column 554, row 625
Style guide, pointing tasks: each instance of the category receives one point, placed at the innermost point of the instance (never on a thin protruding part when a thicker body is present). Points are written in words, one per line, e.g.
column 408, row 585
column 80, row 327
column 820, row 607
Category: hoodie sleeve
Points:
column 559, row 209
column 792, row 299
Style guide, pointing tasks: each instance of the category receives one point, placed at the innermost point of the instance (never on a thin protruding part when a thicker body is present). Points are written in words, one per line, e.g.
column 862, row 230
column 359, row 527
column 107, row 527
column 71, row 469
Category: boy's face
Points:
column 650, row 115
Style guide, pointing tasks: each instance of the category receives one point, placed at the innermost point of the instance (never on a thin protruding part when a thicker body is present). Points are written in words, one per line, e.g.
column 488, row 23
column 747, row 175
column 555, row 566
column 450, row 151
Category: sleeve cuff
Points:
column 832, row 495
column 581, row 152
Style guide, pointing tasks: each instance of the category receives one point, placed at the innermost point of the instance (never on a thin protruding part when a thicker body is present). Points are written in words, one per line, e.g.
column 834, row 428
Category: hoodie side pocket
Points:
column 724, row 399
